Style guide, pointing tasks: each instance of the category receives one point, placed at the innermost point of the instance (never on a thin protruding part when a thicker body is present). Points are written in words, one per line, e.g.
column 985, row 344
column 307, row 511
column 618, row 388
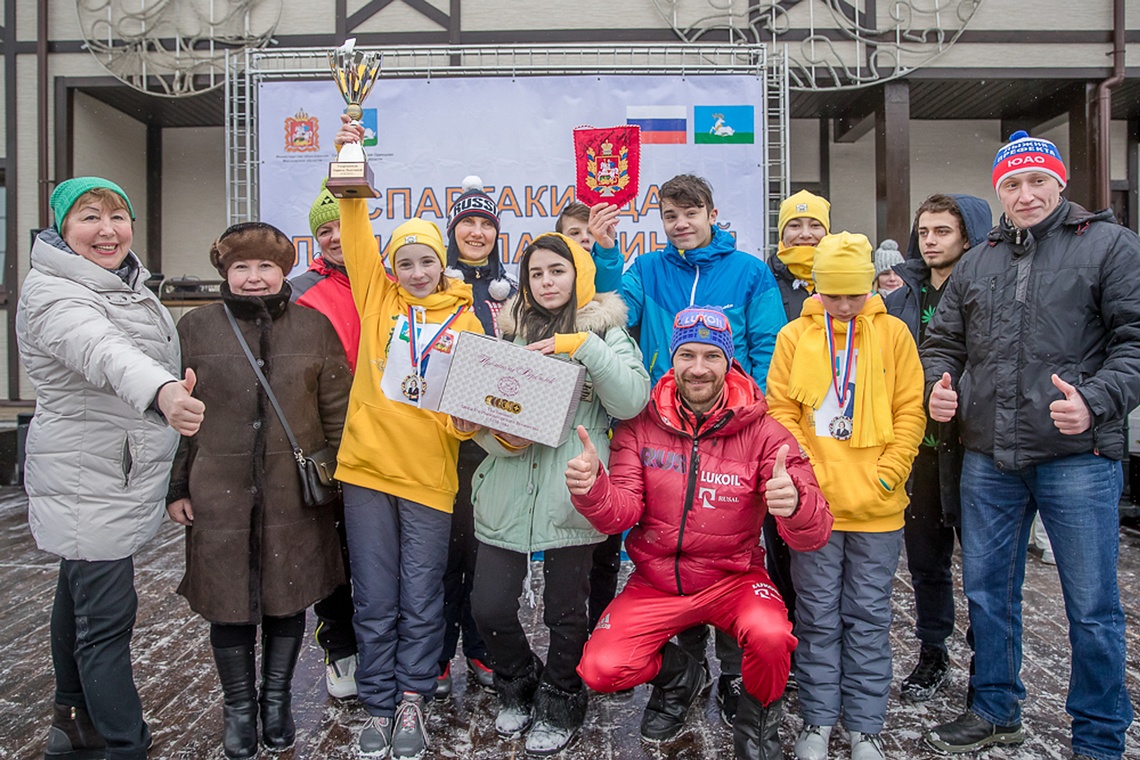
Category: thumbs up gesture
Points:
column 183, row 412
column 943, row 400
column 779, row 491
column 1070, row 414
column 582, row 470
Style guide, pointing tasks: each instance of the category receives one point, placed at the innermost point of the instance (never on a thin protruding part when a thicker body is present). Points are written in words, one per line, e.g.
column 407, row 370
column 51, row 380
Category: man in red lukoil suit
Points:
column 694, row 475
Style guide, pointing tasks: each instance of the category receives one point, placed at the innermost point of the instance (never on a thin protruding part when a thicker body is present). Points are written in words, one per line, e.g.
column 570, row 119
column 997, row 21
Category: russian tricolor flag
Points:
column 660, row 124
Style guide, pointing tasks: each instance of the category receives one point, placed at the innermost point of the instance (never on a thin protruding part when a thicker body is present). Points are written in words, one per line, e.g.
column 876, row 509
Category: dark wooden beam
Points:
column 1035, row 124
column 368, row 11
column 64, row 110
column 341, row 19
column 1133, row 154
column 1080, row 163
column 857, row 117
column 154, row 198
column 429, row 10
column 892, row 162
column 825, row 157
column 849, row 129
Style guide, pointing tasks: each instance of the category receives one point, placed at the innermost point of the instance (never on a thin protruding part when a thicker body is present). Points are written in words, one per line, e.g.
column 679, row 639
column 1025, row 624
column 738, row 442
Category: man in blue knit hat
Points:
column 1035, row 351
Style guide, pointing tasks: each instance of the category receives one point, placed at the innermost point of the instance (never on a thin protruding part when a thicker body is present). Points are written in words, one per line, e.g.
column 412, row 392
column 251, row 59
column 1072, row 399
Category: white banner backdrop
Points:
column 516, row 134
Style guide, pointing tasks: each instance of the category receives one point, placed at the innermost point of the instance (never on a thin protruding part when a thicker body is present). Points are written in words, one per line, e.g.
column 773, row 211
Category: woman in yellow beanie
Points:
column 397, row 463
column 846, row 381
column 804, row 219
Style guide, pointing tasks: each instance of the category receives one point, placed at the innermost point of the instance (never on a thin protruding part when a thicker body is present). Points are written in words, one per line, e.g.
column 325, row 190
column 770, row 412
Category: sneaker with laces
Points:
column 376, row 738
column 443, row 684
column 812, row 742
column 867, row 747
column 340, row 677
column 409, row 735
column 728, row 688
column 484, row 676
column 969, row 732
column 929, row 675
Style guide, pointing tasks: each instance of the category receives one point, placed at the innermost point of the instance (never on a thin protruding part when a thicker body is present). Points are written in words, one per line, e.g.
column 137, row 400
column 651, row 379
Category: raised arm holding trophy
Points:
column 354, row 71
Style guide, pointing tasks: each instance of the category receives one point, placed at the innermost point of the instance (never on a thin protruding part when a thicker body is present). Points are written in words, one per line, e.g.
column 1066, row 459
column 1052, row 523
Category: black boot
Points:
column 237, row 671
column 558, row 716
column 675, row 688
column 756, row 731
column 516, row 701
column 72, row 736
column 278, row 658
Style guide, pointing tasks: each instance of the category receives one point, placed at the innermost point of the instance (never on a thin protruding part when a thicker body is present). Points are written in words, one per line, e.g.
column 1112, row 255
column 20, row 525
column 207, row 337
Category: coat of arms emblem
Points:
column 608, row 162
column 301, row 133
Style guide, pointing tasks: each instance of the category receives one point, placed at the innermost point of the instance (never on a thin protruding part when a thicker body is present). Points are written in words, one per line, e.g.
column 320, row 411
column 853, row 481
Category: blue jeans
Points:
column 1077, row 498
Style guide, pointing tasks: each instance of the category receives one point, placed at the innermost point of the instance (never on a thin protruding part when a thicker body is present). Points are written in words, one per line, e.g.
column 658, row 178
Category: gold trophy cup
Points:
column 354, row 72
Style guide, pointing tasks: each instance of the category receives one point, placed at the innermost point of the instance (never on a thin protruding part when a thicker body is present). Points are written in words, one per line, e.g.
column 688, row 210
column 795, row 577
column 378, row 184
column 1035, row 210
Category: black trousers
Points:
column 604, row 571
column 778, row 558
column 459, row 577
column 499, row 576
column 929, row 553
column 92, row 620
column 226, row 635
column 335, row 633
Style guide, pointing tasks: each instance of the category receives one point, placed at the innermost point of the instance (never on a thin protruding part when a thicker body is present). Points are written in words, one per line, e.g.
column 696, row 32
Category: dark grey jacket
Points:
column 906, row 304
column 792, row 296
column 1062, row 297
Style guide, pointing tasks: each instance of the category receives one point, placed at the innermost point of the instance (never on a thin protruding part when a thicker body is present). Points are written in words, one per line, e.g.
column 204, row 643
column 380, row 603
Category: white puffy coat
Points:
column 98, row 457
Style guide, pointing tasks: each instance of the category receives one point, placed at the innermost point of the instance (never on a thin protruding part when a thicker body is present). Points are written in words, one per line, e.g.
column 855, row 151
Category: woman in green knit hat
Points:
column 110, row 405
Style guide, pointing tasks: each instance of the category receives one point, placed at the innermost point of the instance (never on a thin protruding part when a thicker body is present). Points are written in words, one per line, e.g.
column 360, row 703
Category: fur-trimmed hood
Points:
column 606, row 310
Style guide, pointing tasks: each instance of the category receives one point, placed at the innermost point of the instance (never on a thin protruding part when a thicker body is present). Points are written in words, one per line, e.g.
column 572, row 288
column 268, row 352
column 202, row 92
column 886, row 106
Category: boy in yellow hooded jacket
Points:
column 846, row 380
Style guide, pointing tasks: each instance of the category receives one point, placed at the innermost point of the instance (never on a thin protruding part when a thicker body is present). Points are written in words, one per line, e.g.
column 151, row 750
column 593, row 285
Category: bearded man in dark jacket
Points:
column 1035, row 350
column 693, row 477
column 945, row 227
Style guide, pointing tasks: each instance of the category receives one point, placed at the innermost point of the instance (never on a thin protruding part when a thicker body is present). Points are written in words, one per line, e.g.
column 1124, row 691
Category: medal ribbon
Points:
column 417, row 355
column 841, row 391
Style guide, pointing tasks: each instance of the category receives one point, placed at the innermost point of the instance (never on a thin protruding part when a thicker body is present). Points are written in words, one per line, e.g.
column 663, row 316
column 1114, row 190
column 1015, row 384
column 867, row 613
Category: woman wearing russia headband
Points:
column 397, row 463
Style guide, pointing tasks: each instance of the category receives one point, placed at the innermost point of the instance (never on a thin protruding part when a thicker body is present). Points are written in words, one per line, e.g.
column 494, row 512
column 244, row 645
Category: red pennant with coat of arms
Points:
column 608, row 163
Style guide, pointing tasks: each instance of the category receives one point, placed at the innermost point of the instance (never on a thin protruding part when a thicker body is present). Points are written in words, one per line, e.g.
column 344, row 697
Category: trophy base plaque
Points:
column 351, row 179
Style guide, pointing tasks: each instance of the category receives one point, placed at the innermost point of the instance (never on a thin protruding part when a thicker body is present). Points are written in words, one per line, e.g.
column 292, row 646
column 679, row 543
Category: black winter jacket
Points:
column 792, row 296
column 1061, row 297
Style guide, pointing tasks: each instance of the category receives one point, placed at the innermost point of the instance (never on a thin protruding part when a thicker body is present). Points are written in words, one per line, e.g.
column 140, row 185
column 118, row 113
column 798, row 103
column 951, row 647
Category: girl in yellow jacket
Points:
column 397, row 464
column 846, row 380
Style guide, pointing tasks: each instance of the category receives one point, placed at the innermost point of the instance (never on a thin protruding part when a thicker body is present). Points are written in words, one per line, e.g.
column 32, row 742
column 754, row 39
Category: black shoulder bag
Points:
column 318, row 486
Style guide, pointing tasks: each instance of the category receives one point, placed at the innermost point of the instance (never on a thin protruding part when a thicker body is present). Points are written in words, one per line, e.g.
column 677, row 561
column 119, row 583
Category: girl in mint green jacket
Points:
column 522, row 504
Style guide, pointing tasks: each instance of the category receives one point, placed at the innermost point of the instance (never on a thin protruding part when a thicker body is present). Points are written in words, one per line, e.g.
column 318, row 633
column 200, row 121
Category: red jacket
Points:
column 696, row 505
column 325, row 288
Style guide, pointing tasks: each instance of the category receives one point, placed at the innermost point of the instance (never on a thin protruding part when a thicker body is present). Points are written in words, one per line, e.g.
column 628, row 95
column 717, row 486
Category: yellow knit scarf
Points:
column 799, row 259
column 811, row 374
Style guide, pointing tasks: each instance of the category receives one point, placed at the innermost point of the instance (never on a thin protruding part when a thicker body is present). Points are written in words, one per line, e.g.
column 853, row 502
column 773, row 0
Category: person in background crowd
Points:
column 886, row 258
column 256, row 554
column 100, row 351
column 521, row 503
column 700, row 264
column 696, row 552
column 473, row 256
column 324, row 287
column 945, row 227
column 1035, row 349
column 804, row 219
column 574, row 223
column 397, row 466
column 846, row 380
